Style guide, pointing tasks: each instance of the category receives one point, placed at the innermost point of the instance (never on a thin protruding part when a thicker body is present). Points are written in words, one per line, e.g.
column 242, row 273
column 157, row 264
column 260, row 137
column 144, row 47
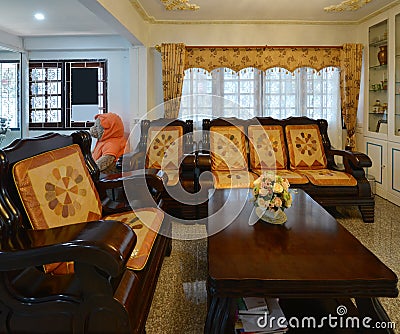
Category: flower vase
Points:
column 382, row 55
column 271, row 216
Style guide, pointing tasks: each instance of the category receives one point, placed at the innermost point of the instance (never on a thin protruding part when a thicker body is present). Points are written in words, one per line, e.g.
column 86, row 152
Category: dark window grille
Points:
column 50, row 93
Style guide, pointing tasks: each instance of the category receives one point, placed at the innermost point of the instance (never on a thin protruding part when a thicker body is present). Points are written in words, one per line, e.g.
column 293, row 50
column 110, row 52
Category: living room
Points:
column 127, row 34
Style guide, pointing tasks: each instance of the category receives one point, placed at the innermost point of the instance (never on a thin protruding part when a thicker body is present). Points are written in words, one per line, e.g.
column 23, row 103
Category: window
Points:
column 275, row 92
column 9, row 97
column 66, row 94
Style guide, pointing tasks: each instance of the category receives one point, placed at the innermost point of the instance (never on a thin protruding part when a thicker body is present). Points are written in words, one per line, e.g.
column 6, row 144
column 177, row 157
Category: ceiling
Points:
column 71, row 17
column 63, row 17
column 260, row 10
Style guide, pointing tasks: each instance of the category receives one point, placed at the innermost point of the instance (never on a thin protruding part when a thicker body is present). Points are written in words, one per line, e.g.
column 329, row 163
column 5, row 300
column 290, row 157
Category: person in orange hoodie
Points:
column 111, row 142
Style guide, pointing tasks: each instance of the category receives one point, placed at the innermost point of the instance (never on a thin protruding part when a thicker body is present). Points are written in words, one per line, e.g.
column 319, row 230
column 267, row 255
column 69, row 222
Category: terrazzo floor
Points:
column 179, row 305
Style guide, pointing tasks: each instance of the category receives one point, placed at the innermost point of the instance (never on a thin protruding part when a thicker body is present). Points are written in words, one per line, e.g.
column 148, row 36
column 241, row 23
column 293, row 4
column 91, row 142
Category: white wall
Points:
column 121, row 58
column 253, row 34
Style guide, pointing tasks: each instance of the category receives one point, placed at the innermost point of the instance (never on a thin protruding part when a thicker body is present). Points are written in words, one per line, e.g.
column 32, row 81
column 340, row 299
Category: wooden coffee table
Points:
column 310, row 260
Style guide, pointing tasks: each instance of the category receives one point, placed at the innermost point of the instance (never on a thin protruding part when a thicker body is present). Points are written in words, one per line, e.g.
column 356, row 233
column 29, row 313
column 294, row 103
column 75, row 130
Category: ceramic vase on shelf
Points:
column 271, row 216
column 382, row 55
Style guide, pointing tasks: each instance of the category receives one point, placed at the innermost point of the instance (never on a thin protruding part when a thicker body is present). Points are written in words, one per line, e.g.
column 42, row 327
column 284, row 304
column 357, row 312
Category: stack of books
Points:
column 260, row 316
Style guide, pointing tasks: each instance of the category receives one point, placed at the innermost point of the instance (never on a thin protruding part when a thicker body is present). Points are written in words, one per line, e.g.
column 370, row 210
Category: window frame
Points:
column 18, row 92
column 66, row 65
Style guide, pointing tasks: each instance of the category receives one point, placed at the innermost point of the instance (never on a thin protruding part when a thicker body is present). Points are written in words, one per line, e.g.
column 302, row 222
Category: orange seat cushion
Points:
column 267, row 147
column 294, row 177
column 146, row 224
column 228, row 148
column 233, row 179
column 305, row 147
column 56, row 189
column 327, row 177
column 164, row 147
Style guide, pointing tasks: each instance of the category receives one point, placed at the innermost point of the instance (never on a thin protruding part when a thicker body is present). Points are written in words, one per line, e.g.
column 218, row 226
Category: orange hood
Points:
column 113, row 140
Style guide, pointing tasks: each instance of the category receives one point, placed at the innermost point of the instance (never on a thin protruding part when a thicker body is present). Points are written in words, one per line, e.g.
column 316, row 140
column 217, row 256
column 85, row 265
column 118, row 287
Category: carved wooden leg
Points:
column 372, row 308
column 367, row 212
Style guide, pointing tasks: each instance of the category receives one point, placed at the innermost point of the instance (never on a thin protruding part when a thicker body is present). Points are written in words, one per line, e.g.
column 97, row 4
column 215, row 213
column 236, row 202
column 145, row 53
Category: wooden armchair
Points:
column 167, row 145
column 63, row 262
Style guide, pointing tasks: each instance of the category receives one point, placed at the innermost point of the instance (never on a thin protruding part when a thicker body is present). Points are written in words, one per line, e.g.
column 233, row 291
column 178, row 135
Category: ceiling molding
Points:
column 151, row 19
column 380, row 11
column 141, row 11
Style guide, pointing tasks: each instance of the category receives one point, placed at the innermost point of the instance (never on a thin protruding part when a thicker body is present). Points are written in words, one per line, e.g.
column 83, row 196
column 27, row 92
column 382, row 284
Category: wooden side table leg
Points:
column 220, row 316
column 372, row 308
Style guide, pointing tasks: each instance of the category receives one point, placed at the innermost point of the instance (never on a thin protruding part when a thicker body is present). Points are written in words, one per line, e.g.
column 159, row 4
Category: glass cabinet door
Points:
column 378, row 78
column 397, row 78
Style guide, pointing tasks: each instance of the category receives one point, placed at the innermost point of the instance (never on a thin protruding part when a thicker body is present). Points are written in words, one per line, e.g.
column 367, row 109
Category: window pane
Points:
column 9, row 93
column 38, row 116
column 54, row 116
column 54, row 74
column 38, row 102
column 54, row 102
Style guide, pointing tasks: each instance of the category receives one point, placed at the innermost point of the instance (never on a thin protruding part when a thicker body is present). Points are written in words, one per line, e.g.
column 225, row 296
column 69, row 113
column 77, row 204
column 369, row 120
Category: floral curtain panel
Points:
column 173, row 61
column 350, row 79
column 176, row 58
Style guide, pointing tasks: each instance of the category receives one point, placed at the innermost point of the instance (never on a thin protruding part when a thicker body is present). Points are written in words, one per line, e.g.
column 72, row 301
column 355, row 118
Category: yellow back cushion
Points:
column 228, row 148
column 164, row 147
column 305, row 147
column 267, row 147
column 56, row 188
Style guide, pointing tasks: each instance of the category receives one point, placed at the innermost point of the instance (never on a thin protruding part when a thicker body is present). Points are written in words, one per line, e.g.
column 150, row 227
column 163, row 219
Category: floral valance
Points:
column 177, row 57
column 262, row 58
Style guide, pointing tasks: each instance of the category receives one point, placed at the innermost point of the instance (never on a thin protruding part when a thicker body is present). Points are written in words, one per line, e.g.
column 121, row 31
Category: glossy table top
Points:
column 311, row 254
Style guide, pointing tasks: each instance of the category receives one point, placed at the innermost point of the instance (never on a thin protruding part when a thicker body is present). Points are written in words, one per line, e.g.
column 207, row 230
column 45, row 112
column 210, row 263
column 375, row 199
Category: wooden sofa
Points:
column 303, row 154
column 41, row 290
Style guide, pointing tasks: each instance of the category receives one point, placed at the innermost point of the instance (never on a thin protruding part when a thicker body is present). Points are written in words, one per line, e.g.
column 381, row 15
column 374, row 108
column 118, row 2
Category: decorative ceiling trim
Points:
column 151, row 19
column 141, row 11
column 347, row 5
column 179, row 5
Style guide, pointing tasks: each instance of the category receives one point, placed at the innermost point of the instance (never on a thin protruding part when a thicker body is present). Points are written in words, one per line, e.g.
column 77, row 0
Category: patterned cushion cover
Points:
column 56, row 189
column 327, row 177
column 164, row 147
column 267, row 147
column 305, row 147
column 233, row 179
column 294, row 177
column 145, row 223
column 228, row 148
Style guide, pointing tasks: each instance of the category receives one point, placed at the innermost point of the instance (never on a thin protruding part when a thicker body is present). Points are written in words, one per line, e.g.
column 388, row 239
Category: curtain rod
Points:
column 158, row 47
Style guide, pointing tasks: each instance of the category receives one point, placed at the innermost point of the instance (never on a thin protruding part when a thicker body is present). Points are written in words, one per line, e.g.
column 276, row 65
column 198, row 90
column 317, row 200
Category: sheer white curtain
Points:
column 275, row 92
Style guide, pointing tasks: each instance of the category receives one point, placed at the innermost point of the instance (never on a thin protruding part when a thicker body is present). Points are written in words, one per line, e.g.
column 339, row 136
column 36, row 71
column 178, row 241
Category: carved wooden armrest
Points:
column 354, row 162
column 103, row 244
column 131, row 161
column 357, row 159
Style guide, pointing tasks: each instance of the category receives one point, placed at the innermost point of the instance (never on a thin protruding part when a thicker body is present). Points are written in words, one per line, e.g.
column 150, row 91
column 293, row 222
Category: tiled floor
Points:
column 179, row 305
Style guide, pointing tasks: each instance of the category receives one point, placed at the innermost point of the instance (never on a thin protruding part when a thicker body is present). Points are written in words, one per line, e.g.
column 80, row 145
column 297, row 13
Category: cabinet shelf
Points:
column 379, row 43
column 378, row 67
column 378, row 113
